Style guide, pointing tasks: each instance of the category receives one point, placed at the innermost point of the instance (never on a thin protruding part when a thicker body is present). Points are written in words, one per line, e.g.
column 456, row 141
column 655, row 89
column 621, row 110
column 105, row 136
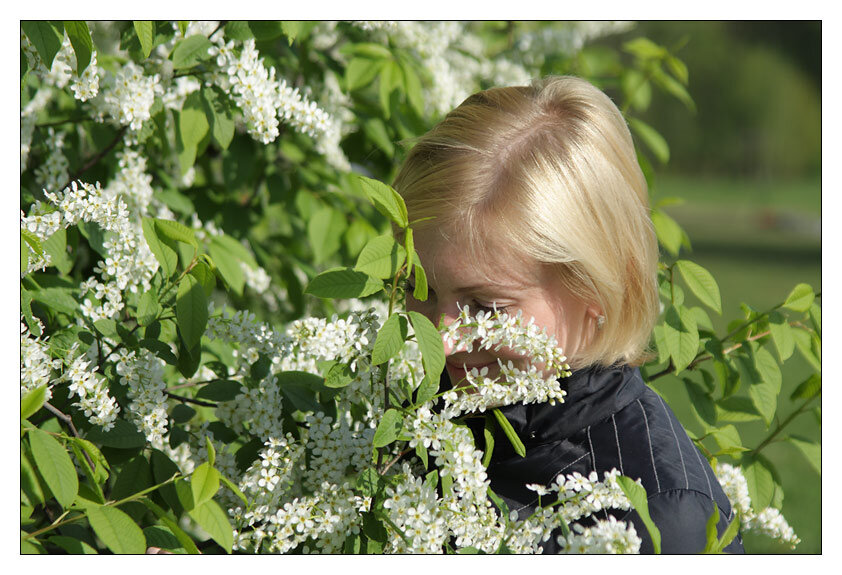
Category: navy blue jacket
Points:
column 611, row 419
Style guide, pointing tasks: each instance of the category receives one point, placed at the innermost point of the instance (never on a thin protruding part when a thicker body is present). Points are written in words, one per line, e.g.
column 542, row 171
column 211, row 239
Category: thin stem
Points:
column 395, row 460
column 190, row 400
column 783, row 424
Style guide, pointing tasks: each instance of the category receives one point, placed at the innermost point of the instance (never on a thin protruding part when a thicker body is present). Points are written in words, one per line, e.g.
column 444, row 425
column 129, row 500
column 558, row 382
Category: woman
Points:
column 536, row 203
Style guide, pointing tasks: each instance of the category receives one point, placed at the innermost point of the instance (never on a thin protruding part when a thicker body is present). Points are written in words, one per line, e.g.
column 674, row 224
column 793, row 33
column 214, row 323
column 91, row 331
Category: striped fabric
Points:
column 611, row 419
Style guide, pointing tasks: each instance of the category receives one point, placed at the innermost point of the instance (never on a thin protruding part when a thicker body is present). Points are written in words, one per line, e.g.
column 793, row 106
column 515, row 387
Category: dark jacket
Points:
column 611, row 419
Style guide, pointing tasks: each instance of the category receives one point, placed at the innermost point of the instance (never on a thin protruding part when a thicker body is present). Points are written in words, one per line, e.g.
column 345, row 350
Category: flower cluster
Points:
column 142, row 372
column 129, row 95
column 92, row 390
column 335, row 449
column 264, row 101
column 64, row 69
column 36, row 366
column 53, row 173
column 606, row 536
column 259, row 408
column 769, row 521
column 493, row 330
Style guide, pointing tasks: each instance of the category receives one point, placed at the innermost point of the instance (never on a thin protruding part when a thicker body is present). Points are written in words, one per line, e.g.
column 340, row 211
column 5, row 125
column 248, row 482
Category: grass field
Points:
column 758, row 240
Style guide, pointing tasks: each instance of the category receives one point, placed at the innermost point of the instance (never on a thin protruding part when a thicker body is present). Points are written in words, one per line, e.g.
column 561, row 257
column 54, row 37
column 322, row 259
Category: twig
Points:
column 93, row 161
column 395, row 460
column 190, row 400
column 781, row 426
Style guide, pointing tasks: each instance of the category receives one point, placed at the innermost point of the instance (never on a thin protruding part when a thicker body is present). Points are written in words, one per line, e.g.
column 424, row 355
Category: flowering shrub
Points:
column 214, row 354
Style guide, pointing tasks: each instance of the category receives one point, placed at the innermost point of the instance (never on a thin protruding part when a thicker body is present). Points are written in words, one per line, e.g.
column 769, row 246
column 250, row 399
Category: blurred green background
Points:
column 747, row 163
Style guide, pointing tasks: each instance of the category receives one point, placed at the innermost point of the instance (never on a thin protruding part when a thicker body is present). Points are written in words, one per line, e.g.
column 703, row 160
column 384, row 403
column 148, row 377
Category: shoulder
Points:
column 681, row 516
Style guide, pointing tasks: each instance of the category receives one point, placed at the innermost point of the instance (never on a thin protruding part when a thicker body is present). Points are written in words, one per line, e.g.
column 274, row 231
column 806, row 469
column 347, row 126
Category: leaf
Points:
column 728, row 535
column 681, row 336
column 811, row 450
column 390, row 339
column 182, row 26
column 190, row 51
column 324, row 230
column 507, row 428
column 204, row 482
column 145, row 30
column 360, row 72
column 234, row 489
column 388, row 429
column 736, row 409
column 123, row 435
column 148, row 308
column 184, row 539
column 175, row 231
column 420, row 291
column 390, row 75
column 637, row 497
column 45, row 37
column 765, row 399
column 54, row 465
column 117, row 530
column 645, row 48
column 192, row 127
column 59, row 299
column 135, row 476
column 376, row 131
column 339, row 376
column 220, row 390
column 701, row 402
column 33, row 401
column 761, row 484
column 653, row 140
column 427, row 389
column 80, row 39
column 767, row 367
column 227, row 265
column 343, row 283
column 810, row 387
column 488, row 436
column 300, row 388
column 291, row 29
column 162, row 249
column 668, row 231
column 800, row 298
column 210, row 517
column 710, row 530
column 72, row 545
column 219, row 115
column 381, row 257
column 429, row 343
column 701, row 283
column 265, row 29
column 781, row 335
column 191, row 310
column 387, row 201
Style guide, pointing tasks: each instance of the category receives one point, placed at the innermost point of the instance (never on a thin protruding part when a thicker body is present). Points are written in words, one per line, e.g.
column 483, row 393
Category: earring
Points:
column 600, row 321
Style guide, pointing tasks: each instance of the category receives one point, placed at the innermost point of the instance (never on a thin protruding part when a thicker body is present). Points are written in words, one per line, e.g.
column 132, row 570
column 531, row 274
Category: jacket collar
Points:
column 593, row 395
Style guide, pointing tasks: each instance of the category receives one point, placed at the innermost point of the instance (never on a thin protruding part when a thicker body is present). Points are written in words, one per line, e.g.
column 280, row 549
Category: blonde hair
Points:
column 551, row 169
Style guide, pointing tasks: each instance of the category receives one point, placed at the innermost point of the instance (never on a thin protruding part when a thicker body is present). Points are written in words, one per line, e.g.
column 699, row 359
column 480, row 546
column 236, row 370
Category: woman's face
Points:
column 511, row 281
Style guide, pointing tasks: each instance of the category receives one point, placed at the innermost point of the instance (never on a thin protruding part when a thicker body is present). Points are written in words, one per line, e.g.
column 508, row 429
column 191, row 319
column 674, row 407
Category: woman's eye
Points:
column 489, row 307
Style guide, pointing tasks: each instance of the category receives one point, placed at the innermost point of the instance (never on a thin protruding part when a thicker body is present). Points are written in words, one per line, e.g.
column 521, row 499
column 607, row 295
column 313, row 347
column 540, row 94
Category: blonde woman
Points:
column 536, row 203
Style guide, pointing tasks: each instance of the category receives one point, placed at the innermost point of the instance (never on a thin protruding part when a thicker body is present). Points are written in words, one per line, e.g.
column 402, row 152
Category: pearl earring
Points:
column 600, row 321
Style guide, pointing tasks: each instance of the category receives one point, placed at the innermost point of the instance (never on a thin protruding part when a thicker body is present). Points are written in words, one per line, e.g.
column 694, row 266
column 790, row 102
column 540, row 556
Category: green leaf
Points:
column 145, row 30
column 767, row 367
column 653, row 140
column 728, row 439
column 668, row 231
column 701, row 283
column 681, row 335
column 220, row 390
column 414, row 90
column 204, row 482
column 711, row 535
column 175, row 231
column 117, row 530
column 233, row 487
column 736, row 409
column 72, row 545
column 45, row 37
column 192, row 127
column 291, row 29
column 343, row 283
column 390, row 75
column 339, row 376
column 324, row 230
column 782, row 335
column 59, row 299
column 219, row 115
column 816, row 317
column 804, row 342
column 191, row 311
column 810, row 387
column 360, row 72
column 420, row 291
column 227, row 265
column 135, row 476
column 162, row 249
column 637, row 497
column 190, row 51
column 376, row 131
column 800, row 298
column 80, row 39
column 507, row 428
column 300, row 388
column 123, row 435
column 184, row 539
column 728, row 535
column 701, row 402
column 381, row 257
column 148, row 308
column 33, row 401
column 388, row 428
column 645, row 48
column 387, row 201
column 761, row 484
column 811, row 450
column 55, row 466
column 429, row 343
column 56, row 247
column 390, row 339
column 182, row 26
column 264, row 30
column 210, row 517
column 488, row 436
column 765, row 398
column 427, row 389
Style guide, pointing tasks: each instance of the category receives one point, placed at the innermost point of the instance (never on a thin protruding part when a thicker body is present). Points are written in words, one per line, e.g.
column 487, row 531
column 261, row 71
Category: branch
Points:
column 190, row 400
column 66, row 418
